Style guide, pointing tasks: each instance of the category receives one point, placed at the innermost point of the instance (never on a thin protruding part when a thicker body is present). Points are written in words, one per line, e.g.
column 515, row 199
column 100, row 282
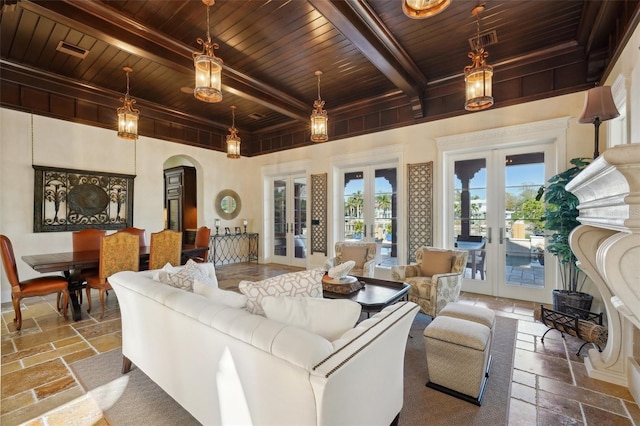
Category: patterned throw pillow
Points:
column 183, row 279
column 303, row 283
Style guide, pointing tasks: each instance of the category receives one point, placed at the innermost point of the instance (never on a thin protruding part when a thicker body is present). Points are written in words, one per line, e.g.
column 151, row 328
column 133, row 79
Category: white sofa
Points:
column 227, row 366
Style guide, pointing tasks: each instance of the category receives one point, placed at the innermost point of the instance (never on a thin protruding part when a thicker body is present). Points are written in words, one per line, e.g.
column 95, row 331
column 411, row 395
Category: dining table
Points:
column 72, row 262
column 475, row 248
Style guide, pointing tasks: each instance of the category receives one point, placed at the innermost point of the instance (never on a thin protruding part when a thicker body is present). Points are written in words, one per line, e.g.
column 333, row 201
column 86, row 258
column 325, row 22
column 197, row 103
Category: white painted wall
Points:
column 63, row 144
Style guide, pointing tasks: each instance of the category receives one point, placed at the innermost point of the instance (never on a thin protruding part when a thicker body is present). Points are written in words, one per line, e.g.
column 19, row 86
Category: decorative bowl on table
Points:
column 338, row 280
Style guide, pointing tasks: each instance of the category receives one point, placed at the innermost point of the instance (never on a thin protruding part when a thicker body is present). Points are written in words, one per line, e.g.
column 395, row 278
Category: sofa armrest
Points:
column 369, row 356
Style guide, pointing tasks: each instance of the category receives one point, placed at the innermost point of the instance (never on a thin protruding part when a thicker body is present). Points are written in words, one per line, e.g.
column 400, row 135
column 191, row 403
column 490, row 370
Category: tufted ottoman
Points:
column 458, row 357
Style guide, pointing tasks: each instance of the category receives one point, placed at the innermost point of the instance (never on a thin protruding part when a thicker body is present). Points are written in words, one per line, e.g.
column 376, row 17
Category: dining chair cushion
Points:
column 436, row 262
column 212, row 292
column 183, row 278
column 329, row 318
column 303, row 283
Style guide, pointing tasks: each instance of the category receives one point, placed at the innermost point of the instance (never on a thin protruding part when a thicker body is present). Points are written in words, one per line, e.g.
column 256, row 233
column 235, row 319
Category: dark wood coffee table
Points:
column 376, row 294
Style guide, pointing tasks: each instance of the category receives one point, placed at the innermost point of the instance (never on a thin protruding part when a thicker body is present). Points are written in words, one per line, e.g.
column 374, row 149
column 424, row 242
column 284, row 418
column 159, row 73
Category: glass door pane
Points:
column 354, row 206
column 300, row 217
column 370, row 209
column 385, row 212
column 280, row 218
column 470, row 214
column 524, row 227
column 290, row 220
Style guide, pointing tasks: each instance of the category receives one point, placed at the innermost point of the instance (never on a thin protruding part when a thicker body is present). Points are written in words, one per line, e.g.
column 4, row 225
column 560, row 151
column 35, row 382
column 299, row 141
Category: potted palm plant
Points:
column 561, row 217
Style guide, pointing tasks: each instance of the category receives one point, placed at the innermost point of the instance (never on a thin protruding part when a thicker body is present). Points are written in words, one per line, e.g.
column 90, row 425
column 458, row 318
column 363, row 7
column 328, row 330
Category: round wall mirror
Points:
column 228, row 204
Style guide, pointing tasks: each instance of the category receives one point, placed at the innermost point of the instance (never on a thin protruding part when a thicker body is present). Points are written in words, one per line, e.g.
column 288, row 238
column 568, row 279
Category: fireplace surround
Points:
column 607, row 245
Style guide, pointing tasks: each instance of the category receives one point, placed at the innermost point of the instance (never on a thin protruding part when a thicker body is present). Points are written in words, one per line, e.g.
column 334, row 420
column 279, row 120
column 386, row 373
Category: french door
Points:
column 493, row 214
column 369, row 202
column 289, row 213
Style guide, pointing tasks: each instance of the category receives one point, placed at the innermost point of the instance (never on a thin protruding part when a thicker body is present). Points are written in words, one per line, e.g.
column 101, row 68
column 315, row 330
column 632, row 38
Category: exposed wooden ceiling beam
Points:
column 360, row 25
column 102, row 22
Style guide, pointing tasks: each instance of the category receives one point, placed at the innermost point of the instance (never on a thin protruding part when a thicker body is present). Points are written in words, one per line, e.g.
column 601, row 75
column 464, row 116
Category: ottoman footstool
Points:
column 467, row 312
column 458, row 357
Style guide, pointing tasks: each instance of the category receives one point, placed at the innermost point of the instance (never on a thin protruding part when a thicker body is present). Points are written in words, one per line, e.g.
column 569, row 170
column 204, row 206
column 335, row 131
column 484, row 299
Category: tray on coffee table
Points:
column 376, row 294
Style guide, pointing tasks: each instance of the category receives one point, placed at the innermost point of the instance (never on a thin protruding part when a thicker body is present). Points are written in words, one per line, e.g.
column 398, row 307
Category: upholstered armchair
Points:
column 364, row 254
column 435, row 279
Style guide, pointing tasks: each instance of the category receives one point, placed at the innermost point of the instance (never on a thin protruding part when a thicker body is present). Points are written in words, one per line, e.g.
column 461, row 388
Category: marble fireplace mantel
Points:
column 607, row 245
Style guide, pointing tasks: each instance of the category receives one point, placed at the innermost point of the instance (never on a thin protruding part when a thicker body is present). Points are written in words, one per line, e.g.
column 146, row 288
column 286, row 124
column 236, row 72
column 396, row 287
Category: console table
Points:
column 234, row 248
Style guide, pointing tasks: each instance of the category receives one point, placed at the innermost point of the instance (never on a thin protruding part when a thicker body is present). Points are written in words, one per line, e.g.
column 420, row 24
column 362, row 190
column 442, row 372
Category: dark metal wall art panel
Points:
column 319, row 213
column 420, row 207
column 70, row 200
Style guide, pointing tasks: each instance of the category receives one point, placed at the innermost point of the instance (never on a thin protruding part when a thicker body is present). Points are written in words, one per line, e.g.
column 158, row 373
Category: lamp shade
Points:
column 598, row 105
column 420, row 9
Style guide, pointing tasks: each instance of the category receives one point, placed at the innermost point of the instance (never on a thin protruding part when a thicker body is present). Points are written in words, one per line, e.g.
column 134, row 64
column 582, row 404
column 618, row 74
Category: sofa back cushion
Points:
column 435, row 262
column 325, row 317
column 303, row 283
column 226, row 297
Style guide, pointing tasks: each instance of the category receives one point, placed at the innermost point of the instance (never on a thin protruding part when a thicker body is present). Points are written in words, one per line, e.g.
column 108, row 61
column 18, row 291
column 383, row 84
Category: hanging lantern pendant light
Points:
column 127, row 115
column 319, row 118
column 208, row 68
column 233, row 140
column 478, row 76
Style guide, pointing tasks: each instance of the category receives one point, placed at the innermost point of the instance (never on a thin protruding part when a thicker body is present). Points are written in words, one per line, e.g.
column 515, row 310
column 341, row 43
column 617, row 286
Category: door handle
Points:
column 365, row 231
column 501, row 235
column 489, row 235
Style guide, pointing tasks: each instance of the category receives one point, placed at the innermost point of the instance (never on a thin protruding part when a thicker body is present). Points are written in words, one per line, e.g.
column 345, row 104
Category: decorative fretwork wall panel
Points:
column 69, row 200
column 419, row 210
column 319, row 213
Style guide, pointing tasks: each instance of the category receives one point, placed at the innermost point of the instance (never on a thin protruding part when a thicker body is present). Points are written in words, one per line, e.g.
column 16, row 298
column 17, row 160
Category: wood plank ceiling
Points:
column 381, row 69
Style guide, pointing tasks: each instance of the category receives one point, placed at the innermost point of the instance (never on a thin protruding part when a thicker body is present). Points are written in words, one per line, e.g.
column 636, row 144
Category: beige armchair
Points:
column 435, row 279
column 364, row 254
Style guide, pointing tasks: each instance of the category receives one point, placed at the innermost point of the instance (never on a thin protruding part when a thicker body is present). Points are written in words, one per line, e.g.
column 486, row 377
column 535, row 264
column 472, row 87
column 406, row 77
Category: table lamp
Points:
column 598, row 107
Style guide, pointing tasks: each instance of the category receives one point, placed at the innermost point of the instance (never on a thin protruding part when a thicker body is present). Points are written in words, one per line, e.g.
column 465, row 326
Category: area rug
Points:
column 134, row 399
column 426, row 406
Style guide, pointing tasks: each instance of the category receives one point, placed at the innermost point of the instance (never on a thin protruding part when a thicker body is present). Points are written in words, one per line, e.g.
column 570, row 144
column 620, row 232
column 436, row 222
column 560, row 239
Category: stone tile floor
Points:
column 549, row 386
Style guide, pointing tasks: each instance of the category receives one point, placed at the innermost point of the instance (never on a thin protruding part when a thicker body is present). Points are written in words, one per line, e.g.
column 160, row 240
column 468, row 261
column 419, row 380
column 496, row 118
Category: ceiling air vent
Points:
column 486, row 39
column 72, row 50
column 256, row 116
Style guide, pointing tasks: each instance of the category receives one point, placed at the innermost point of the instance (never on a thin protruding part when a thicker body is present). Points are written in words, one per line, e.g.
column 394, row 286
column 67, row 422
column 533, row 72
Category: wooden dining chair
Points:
column 39, row 286
column 141, row 233
column 165, row 247
column 118, row 252
column 202, row 240
column 87, row 240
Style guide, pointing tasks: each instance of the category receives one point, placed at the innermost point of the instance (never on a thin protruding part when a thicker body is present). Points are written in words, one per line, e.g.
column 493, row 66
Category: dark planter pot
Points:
column 564, row 301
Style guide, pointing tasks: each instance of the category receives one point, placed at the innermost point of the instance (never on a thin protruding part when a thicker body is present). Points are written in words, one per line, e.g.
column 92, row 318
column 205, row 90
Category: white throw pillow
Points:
column 183, row 279
column 226, row 297
column 329, row 318
column 303, row 283
column 166, row 268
